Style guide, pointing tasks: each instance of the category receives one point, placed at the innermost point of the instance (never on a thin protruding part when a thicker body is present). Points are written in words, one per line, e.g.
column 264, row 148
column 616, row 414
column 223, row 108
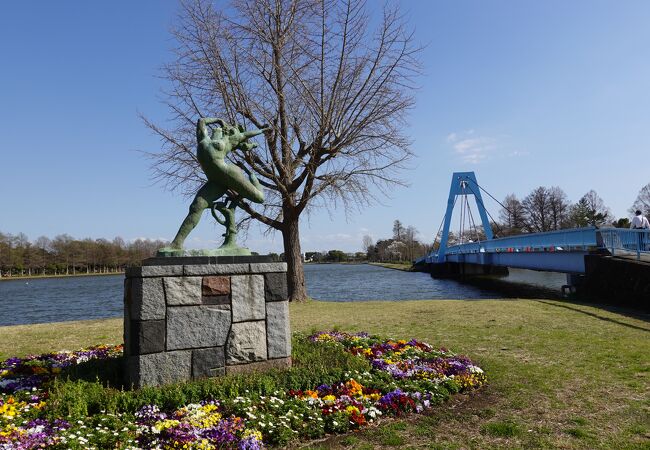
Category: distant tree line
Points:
column 332, row 256
column 66, row 255
column 403, row 246
column 549, row 209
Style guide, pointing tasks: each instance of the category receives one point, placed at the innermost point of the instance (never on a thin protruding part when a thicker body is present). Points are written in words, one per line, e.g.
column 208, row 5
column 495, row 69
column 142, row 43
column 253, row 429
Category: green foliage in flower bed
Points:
column 340, row 382
column 313, row 365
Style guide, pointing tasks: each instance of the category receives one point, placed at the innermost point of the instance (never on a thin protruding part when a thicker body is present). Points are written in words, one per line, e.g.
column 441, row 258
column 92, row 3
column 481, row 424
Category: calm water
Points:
column 93, row 297
column 343, row 283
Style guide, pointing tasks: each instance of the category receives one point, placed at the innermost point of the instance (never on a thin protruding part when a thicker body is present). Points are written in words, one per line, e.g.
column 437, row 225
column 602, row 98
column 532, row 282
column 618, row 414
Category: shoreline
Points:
column 404, row 267
column 35, row 277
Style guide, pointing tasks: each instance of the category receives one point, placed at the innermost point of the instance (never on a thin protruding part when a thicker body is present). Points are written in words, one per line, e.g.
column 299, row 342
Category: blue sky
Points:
column 525, row 93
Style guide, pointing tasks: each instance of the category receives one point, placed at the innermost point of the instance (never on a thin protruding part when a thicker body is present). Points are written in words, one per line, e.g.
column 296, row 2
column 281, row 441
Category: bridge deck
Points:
column 559, row 251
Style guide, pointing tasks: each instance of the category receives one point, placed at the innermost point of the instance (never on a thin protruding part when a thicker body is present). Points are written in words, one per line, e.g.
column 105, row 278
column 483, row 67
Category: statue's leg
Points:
column 209, row 193
column 248, row 187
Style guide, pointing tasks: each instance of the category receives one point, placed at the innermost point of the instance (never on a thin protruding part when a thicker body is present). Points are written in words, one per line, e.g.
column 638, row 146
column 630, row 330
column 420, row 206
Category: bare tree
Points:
column 537, row 205
column 334, row 92
column 367, row 243
column 590, row 210
column 410, row 239
column 546, row 209
column 559, row 207
column 398, row 230
column 512, row 216
column 642, row 202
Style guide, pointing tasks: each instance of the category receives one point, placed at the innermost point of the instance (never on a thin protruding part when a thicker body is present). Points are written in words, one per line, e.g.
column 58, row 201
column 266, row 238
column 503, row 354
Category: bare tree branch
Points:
column 334, row 92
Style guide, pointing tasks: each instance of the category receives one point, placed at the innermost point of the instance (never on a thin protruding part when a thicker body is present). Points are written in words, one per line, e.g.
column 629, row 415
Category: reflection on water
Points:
column 93, row 297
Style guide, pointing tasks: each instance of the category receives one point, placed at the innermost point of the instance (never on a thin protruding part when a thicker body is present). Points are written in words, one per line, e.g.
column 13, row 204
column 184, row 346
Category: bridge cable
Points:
column 491, row 196
column 442, row 222
column 461, row 220
column 469, row 225
column 471, row 216
column 473, row 224
column 496, row 224
column 435, row 238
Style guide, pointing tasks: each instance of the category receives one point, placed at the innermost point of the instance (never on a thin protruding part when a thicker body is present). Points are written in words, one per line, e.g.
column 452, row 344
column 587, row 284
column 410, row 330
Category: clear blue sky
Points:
column 525, row 93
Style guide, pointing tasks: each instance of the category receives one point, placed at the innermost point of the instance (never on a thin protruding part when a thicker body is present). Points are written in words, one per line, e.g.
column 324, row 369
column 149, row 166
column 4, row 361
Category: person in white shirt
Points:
column 639, row 221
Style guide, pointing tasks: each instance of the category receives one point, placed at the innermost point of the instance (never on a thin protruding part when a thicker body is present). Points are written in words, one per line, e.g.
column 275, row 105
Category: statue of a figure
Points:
column 228, row 221
column 223, row 179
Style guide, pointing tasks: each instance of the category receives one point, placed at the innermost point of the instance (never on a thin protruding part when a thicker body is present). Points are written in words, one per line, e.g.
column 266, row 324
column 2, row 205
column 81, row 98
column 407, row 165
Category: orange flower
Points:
column 312, row 394
column 354, row 387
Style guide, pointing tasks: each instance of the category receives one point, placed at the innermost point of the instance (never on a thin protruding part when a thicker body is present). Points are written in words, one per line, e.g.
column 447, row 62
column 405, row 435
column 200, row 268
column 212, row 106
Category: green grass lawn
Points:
column 561, row 375
column 405, row 266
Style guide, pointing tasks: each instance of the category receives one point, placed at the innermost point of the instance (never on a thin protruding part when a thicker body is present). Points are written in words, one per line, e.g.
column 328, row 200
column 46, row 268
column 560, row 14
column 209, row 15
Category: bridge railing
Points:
column 560, row 240
column 618, row 241
column 626, row 241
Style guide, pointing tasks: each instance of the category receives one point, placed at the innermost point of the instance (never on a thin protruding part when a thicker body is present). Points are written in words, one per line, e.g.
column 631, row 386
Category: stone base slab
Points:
column 262, row 366
column 197, row 317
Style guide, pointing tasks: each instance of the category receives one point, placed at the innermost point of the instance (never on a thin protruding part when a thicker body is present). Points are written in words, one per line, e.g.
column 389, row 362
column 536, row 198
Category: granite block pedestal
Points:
column 193, row 317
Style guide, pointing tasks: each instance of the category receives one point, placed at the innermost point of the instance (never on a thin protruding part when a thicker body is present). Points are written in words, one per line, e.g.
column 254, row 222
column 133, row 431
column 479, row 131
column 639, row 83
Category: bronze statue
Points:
column 223, row 178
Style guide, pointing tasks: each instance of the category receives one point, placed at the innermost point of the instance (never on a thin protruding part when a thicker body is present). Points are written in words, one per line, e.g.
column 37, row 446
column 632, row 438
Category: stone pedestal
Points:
column 193, row 317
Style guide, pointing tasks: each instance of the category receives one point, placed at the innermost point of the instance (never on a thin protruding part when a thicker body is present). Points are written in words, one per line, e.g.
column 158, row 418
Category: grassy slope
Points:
column 20, row 340
column 405, row 266
column 561, row 374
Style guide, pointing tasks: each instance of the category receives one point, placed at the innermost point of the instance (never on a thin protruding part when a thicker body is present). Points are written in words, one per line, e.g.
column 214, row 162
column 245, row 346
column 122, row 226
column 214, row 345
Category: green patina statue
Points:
column 223, row 179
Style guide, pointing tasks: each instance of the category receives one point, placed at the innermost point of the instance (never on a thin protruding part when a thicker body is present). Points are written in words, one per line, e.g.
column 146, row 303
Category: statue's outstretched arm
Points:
column 202, row 126
column 250, row 134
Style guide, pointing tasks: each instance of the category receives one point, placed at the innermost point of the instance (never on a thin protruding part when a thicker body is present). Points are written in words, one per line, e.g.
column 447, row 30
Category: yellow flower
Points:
column 329, row 399
column 252, row 432
column 11, row 408
column 164, row 424
column 204, row 444
column 373, row 397
column 352, row 409
column 206, row 421
column 209, row 408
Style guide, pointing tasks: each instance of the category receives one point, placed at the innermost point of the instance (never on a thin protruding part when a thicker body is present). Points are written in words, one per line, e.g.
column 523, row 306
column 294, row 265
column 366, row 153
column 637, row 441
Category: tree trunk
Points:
column 293, row 256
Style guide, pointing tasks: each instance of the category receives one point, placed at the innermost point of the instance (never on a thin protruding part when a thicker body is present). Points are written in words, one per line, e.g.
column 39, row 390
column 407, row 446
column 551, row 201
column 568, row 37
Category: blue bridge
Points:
column 568, row 251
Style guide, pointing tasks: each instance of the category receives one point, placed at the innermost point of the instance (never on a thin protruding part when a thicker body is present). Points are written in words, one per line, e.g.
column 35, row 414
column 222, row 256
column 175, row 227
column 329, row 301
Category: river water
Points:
column 93, row 297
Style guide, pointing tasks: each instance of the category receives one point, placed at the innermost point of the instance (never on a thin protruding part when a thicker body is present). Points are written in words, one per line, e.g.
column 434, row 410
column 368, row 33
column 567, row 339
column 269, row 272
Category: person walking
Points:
column 640, row 222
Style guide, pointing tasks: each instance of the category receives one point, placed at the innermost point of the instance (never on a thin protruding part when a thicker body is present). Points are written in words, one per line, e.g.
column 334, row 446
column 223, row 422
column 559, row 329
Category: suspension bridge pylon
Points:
column 463, row 184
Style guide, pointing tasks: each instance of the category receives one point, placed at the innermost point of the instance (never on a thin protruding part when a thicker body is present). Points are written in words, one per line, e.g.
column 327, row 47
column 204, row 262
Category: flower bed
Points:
column 401, row 377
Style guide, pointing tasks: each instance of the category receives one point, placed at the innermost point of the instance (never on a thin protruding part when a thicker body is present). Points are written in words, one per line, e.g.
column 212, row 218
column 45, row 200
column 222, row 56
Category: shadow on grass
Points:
column 512, row 289
column 517, row 290
column 628, row 313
